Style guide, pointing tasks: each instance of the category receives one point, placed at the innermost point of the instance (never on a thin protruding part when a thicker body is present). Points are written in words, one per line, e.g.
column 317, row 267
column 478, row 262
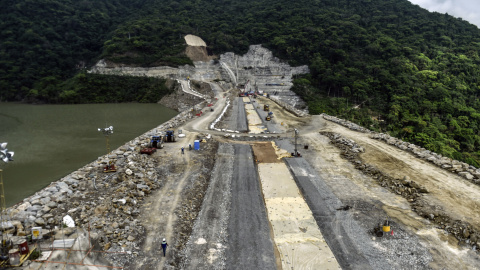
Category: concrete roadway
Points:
column 242, row 125
column 250, row 245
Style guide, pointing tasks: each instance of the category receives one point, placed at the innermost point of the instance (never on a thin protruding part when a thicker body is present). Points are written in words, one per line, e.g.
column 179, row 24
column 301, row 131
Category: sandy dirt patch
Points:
column 296, row 233
column 195, row 41
column 448, row 192
column 265, row 153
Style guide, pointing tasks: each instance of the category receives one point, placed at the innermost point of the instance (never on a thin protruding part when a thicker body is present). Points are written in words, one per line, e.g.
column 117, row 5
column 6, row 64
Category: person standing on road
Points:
column 182, row 151
column 164, row 246
column 190, row 146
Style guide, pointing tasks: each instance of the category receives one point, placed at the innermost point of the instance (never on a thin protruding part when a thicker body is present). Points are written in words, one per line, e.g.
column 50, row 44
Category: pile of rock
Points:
column 350, row 151
column 108, row 203
column 346, row 123
column 289, row 108
column 463, row 169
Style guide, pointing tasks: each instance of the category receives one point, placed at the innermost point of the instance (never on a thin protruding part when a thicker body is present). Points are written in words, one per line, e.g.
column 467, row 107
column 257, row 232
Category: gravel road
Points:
column 347, row 230
column 333, row 223
column 231, row 230
column 206, row 246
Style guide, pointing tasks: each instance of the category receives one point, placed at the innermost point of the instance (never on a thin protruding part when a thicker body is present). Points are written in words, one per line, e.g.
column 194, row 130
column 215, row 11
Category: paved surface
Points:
column 344, row 236
column 255, row 123
column 241, row 116
column 296, row 235
column 249, row 243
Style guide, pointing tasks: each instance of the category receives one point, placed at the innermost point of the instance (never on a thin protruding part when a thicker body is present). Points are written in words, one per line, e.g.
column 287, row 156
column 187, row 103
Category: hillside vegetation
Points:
column 385, row 64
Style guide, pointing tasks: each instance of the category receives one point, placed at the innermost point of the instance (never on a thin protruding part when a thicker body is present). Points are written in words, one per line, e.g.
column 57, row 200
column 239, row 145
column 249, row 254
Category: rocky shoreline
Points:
column 107, row 204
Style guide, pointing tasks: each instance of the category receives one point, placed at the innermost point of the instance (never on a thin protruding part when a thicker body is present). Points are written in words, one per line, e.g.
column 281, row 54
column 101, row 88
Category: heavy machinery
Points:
column 269, row 116
column 169, row 136
column 156, row 142
column 110, row 167
column 148, row 150
column 266, row 107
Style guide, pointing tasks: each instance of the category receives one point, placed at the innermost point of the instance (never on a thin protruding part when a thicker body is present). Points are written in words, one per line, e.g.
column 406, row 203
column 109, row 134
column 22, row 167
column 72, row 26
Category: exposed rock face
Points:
column 197, row 49
column 258, row 66
column 265, row 73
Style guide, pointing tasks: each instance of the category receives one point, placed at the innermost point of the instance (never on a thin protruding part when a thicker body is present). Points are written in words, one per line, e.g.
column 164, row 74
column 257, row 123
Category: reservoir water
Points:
column 51, row 141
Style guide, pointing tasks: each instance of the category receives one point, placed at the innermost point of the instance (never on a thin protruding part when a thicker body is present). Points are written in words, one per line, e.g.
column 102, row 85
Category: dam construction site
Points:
column 244, row 178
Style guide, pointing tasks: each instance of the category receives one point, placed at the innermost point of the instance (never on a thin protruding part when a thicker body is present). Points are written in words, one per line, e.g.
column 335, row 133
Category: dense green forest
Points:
column 386, row 64
column 98, row 88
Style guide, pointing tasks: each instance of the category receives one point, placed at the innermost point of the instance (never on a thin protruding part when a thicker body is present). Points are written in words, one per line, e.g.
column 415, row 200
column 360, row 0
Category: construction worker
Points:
column 182, row 150
column 189, row 146
column 164, row 246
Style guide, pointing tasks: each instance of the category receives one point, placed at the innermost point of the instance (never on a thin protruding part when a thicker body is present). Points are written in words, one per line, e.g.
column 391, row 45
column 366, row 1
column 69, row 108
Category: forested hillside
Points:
column 386, row 64
column 44, row 42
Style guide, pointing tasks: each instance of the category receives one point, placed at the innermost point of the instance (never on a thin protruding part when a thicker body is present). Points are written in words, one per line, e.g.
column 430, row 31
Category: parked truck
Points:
column 156, row 142
column 169, row 136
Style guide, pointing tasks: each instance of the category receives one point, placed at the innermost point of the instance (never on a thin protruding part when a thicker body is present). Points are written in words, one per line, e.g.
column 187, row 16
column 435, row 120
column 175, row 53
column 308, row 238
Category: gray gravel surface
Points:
column 206, row 247
column 332, row 222
column 241, row 124
column 236, row 119
column 270, row 125
column 353, row 245
column 249, row 243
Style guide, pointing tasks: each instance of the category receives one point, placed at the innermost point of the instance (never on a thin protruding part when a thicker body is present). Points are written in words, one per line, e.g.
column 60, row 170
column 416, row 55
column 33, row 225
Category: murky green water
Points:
column 50, row 141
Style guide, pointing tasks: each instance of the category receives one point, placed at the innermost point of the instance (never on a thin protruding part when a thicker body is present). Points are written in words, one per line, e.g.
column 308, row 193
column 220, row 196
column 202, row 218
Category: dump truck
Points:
column 266, row 107
column 169, row 136
column 156, row 142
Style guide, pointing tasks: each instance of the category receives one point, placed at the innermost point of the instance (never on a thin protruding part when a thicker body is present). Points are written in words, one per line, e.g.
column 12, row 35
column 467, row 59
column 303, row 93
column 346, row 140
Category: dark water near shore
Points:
column 51, row 141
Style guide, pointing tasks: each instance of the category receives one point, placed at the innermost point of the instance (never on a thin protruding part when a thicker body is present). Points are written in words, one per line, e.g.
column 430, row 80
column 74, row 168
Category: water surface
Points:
column 51, row 141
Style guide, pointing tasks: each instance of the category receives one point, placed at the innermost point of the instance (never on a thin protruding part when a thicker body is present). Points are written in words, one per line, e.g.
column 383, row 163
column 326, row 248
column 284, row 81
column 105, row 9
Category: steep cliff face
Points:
column 264, row 72
column 258, row 70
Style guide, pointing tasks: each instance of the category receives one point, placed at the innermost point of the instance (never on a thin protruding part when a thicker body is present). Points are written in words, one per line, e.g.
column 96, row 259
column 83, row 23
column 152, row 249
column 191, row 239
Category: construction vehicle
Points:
column 156, row 142
column 148, row 150
column 169, row 136
column 266, row 107
column 269, row 116
column 110, row 167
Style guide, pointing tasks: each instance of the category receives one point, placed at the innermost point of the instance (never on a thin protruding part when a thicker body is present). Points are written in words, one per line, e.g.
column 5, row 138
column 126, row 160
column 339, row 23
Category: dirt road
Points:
column 347, row 205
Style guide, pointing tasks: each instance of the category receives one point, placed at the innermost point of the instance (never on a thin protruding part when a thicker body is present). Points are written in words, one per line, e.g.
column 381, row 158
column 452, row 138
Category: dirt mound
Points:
column 195, row 41
column 197, row 53
column 265, row 153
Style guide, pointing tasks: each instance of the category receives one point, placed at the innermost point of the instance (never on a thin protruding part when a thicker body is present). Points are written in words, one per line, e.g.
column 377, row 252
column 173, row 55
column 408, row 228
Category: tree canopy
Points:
column 386, row 64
